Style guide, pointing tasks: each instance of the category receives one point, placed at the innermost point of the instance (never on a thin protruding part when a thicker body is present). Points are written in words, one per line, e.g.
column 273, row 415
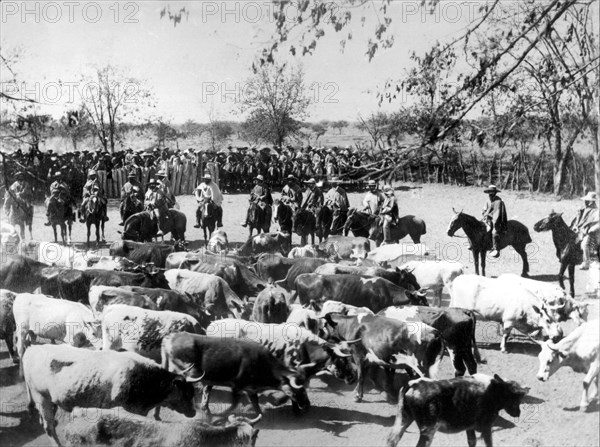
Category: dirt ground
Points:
column 550, row 415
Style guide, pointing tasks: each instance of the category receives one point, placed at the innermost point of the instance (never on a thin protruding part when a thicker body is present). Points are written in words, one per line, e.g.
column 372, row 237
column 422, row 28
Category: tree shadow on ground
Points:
column 406, row 188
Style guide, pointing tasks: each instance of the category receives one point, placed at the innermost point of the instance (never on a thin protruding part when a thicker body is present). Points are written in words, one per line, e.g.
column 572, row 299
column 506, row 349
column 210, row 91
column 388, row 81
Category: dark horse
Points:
column 324, row 219
column 258, row 218
column 516, row 235
column 206, row 214
column 367, row 225
column 142, row 227
column 60, row 214
column 94, row 215
column 131, row 205
column 283, row 215
column 304, row 224
column 568, row 248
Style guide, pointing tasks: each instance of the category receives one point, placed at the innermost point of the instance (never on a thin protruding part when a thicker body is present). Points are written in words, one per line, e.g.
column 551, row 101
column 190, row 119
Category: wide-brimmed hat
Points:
column 310, row 181
column 131, row 175
column 260, row 177
column 590, row 197
column 372, row 183
column 161, row 173
column 387, row 189
column 58, row 174
column 490, row 189
column 291, row 177
column 19, row 174
column 92, row 172
column 152, row 181
column 207, row 176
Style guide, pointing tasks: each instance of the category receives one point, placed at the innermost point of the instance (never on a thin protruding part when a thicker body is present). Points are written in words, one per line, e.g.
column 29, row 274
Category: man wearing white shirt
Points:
column 208, row 190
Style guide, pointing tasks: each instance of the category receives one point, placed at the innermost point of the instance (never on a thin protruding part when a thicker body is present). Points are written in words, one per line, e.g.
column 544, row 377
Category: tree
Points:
column 76, row 126
column 375, row 125
column 339, row 125
column 277, row 99
column 109, row 97
column 165, row 133
column 318, row 130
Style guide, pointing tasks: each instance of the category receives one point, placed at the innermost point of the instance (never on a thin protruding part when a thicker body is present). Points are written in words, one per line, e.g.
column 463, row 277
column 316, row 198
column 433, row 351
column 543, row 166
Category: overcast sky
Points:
column 203, row 62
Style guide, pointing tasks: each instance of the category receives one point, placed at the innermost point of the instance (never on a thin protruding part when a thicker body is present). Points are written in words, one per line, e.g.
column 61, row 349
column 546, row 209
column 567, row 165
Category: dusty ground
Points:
column 549, row 416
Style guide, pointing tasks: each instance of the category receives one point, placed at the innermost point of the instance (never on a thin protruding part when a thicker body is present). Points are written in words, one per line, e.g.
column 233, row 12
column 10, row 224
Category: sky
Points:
column 199, row 67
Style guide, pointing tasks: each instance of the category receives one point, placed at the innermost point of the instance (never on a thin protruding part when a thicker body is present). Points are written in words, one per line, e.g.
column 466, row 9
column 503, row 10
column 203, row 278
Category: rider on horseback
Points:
column 373, row 199
column 291, row 194
column 337, row 201
column 494, row 216
column 261, row 195
column 91, row 184
column 389, row 213
column 59, row 191
column 585, row 224
column 156, row 202
column 209, row 191
column 131, row 188
column 312, row 198
column 18, row 201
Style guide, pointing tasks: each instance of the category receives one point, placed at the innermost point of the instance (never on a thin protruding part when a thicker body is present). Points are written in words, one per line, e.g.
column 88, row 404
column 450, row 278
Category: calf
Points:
column 392, row 344
column 141, row 432
column 346, row 247
column 239, row 364
column 579, row 350
column 270, row 306
column 464, row 403
column 65, row 377
column 434, row 275
column 7, row 321
column 400, row 277
column 102, row 296
column 218, row 242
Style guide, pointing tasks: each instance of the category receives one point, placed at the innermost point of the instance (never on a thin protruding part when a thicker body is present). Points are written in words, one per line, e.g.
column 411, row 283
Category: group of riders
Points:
column 300, row 196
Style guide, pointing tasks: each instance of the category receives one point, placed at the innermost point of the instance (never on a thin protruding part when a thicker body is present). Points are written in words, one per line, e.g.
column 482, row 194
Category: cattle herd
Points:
column 101, row 331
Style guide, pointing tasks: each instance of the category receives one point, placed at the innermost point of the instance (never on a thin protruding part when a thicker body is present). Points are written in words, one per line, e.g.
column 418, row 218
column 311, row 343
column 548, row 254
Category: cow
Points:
column 140, row 432
column 373, row 292
column 308, row 251
column 20, row 274
column 65, row 377
column 50, row 253
column 305, row 318
column 400, row 277
column 140, row 330
column 218, row 242
column 580, row 350
column 559, row 304
column 592, row 287
column 273, row 266
column 266, row 243
column 7, row 321
column 102, row 296
column 84, row 261
column 210, row 292
column 166, row 299
column 239, row 364
column 434, row 275
column 395, row 255
column 270, row 306
column 450, row 406
column 388, row 343
column 346, row 247
column 331, row 306
column 9, row 236
column 54, row 319
column 507, row 304
column 457, row 327
column 145, row 252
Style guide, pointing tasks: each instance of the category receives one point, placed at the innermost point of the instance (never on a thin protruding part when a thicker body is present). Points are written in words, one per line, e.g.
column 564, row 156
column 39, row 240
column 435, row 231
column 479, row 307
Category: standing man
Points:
column 494, row 216
column 373, row 199
column 261, row 195
column 59, row 191
column 389, row 213
column 208, row 190
column 131, row 188
column 18, row 204
column 312, row 198
column 337, row 201
column 585, row 224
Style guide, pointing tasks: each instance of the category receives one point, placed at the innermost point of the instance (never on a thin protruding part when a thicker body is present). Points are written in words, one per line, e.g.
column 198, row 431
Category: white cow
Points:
column 308, row 251
column 435, row 275
column 580, row 350
column 509, row 304
column 86, row 261
column 394, row 255
column 560, row 305
column 305, row 318
column 330, row 306
column 142, row 330
column 592, row 288
column 9, row 236
column 54, row 319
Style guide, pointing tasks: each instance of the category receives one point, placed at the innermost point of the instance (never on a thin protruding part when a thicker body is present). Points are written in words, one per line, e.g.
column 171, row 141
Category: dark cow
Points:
column 346, row 247
column 145, row 252
column 391, row 344
column 266, row 243
column 400, row 277
column 270, row 306
column 239, row 364
column 20, row 274
column 140, row 432
column 457, row 327
column 7, row 321
column 166, row 299
column 273, row 266
column 102, row 296
column 303, row 265
column 464, row 403
column 372, row 292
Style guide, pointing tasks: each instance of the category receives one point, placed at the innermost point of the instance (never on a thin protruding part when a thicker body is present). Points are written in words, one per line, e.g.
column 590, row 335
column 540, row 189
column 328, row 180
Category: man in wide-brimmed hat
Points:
column 373, row 198
column 18, row 203
column 494, row 216
column 388, row 212
column 92, row 181
column 59, row 191
column 208, row 191
column 132, row 190
column 260, row 194
column 312, row 198
column 337, row 201
column 585, row 224
column 291, row 192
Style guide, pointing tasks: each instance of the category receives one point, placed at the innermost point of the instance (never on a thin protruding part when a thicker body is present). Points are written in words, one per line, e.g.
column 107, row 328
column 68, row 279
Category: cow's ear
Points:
column 536, row 309
column 498, row 378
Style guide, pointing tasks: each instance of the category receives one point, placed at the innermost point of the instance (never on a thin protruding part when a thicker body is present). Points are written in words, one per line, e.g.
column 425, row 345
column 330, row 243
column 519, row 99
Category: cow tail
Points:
column 435, row 353
column 476, row 353
column 396, row 431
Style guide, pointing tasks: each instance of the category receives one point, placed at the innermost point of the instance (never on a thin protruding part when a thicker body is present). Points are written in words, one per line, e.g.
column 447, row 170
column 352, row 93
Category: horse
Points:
column 206, row 214
column 324, row 217
column 94, row 215
column 60, row 214
column 568, row 248
column 21, row 213
column 259, row 218
column 142, row 226
column 368, row 225
column 358, row 222
column 283, row 215
column 516, row 235
column 130, row 205
column 304, row 223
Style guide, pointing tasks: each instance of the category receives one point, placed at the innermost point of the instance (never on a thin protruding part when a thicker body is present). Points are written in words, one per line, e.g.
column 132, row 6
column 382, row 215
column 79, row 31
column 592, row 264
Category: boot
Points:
column 81, row 218
column 495, row 253
column 47, row 223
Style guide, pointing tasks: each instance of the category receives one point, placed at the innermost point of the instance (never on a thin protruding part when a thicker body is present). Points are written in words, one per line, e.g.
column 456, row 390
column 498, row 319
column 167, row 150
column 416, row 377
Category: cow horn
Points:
column 294, row 384
column 255, row 420
column 195, row 379
column 351, row 342
column 336, row 349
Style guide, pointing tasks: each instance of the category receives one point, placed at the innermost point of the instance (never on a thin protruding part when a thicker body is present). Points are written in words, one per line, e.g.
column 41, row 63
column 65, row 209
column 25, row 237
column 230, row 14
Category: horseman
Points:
column 312, row 198
column 388, row 213
column 373, row 199
column 291, row 194
column 59, row 192
column 260, row 195
column 89, row 186
column 156, row 202
column 585, row 224
column 494, row 216
column 337, row 201
column 165, row 186
column 17, row 204
column 208, row 191
column 131, row 189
